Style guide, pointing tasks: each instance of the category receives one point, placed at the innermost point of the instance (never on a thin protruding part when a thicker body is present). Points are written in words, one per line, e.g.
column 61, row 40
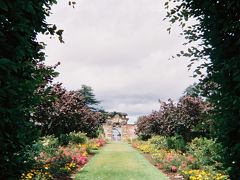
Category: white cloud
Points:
column 121, row 49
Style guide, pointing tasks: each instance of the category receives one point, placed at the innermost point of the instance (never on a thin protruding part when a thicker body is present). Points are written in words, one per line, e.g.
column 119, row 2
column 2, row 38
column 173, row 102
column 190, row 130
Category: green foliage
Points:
column 53, row 161
column 193, row 90
column 71, row 138
column 208, row 153
column 63, row 139
column 172, row 142
column 159, row 142
column 77, row 138
column 203, row 156
column 88, row 95
column 48, row 145
column 216, row 29
column 144, row 137
column 22, row 72
column 56, row 167
column 176, row 143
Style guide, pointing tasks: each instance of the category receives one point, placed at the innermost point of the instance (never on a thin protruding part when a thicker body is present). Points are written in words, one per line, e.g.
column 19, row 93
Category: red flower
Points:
column 174, row 169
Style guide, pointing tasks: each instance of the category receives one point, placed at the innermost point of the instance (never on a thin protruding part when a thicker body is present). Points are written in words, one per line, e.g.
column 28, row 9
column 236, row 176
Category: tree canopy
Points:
column 67, row 111
column 216, row 30
column 22, row 72
column 180, row 118
column 88, row 96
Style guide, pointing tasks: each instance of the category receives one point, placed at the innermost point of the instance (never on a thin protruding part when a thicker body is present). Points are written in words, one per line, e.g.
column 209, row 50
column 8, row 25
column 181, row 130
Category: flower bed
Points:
column 201, row 174
column 197, row 162
column 56, row 162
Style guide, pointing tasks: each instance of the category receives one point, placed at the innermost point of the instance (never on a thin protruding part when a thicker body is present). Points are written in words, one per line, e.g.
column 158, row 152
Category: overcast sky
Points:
column 121, row 49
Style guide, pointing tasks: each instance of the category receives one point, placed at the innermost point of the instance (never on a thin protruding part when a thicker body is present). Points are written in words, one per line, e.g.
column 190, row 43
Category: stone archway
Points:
column 116, row 133
column 116, row 127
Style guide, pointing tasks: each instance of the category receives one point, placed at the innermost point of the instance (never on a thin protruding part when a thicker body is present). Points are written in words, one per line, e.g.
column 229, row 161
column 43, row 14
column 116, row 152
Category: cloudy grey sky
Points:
column 121, row 49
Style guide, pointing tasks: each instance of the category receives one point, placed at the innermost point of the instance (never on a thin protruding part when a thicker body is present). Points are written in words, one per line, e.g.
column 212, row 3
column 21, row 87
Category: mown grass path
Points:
column 119, row 161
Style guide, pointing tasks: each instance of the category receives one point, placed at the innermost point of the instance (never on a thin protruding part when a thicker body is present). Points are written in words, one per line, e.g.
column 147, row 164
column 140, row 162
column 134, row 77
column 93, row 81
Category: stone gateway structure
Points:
column 116, row 127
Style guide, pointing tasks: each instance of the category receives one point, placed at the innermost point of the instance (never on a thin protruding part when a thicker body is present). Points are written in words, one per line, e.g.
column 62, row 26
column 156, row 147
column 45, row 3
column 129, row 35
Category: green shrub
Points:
column 173, row 142
column 207, row 152
column 144, row 137
column 48, row 145
column 64, row 139
column 176, row 142
column 77, row 137
column 73, row 138
column 57, row 167
column 159, row 142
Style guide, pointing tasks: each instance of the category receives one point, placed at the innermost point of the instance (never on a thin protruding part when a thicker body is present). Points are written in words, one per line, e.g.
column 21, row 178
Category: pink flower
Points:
column 79, row 159
column 174, row 169
column 83, row 160
column 100, row 142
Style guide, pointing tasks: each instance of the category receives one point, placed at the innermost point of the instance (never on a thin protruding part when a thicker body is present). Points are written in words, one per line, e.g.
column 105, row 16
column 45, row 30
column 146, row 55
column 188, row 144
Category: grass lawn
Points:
column 119, row 161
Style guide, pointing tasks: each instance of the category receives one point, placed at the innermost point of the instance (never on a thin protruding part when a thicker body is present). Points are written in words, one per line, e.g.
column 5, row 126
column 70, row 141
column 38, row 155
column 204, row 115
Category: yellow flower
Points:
column 83, row 146
column 204, row 175
column 85, row 154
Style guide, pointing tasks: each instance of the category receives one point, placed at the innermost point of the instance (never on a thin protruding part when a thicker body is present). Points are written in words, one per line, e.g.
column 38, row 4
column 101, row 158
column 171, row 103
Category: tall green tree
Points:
column 89, row 96
column 217, row 31
column 22, row 72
